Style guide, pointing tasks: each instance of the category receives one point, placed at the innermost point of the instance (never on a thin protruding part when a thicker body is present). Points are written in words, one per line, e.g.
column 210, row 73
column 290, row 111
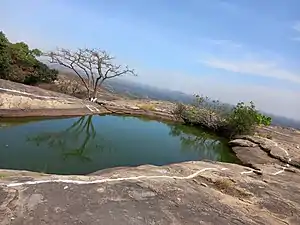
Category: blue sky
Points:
column 231, row 50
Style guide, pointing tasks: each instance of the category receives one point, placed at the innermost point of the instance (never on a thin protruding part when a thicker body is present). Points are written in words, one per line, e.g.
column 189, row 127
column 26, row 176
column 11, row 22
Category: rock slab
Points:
column 185, row 193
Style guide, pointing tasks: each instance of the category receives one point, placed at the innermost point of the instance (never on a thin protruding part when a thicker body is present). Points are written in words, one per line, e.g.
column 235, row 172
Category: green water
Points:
column 86, row 144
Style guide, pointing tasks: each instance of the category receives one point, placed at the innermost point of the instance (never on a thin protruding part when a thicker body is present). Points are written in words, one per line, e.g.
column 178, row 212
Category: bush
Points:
column 179, row 111
column 203, row 112
column 222, row 118
column 243, row 119
column 18, row 63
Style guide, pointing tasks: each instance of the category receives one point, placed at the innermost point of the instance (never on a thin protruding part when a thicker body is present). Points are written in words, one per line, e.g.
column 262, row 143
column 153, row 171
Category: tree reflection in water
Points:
column 207, row 145
column 80, row 134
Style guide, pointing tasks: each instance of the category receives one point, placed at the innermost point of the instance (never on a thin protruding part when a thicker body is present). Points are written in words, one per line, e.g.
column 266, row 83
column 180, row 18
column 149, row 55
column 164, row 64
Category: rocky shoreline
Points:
column 264, row 190
column 185, row 193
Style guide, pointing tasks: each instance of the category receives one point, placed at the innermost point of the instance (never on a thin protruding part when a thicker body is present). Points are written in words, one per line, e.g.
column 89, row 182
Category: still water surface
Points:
column 86, row 144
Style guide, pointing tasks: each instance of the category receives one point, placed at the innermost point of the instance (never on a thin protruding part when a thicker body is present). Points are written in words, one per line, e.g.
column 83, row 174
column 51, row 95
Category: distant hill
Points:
column 137, row 90
column 284, row 122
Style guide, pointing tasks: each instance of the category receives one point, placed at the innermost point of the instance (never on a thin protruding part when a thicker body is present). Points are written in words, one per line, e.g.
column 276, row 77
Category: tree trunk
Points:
column 88, row 93
column 94, row 95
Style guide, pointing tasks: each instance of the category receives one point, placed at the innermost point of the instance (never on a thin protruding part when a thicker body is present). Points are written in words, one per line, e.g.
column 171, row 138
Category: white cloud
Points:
column 224, row 42
column 260, row 68
column 295, row 39
column 296, row 27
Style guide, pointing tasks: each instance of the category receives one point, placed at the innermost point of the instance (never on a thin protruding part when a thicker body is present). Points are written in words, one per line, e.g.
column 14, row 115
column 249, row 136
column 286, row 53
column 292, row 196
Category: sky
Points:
column 231, row 50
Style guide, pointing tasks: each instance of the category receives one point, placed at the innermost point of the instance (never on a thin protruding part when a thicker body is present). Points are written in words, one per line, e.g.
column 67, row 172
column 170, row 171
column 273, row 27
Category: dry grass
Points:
column 147, row 107
column 224, row 184
column 264, row 135
column 3, row 176
column 227, row 186
column 9, row 101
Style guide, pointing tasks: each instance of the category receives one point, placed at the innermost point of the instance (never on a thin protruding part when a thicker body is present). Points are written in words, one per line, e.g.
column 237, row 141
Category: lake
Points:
column 83, row 145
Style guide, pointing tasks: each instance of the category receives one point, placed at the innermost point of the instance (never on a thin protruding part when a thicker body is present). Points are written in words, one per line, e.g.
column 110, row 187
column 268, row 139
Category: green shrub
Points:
column 223, row 118
column 264, row 120
column 243, row 119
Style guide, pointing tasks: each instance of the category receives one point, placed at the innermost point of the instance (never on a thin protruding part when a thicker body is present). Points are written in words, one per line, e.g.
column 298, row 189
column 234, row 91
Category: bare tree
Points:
column 92, row 66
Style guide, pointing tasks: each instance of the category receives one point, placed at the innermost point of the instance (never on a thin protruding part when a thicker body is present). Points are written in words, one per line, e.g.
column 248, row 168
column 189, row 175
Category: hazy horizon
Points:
column 229, row 50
